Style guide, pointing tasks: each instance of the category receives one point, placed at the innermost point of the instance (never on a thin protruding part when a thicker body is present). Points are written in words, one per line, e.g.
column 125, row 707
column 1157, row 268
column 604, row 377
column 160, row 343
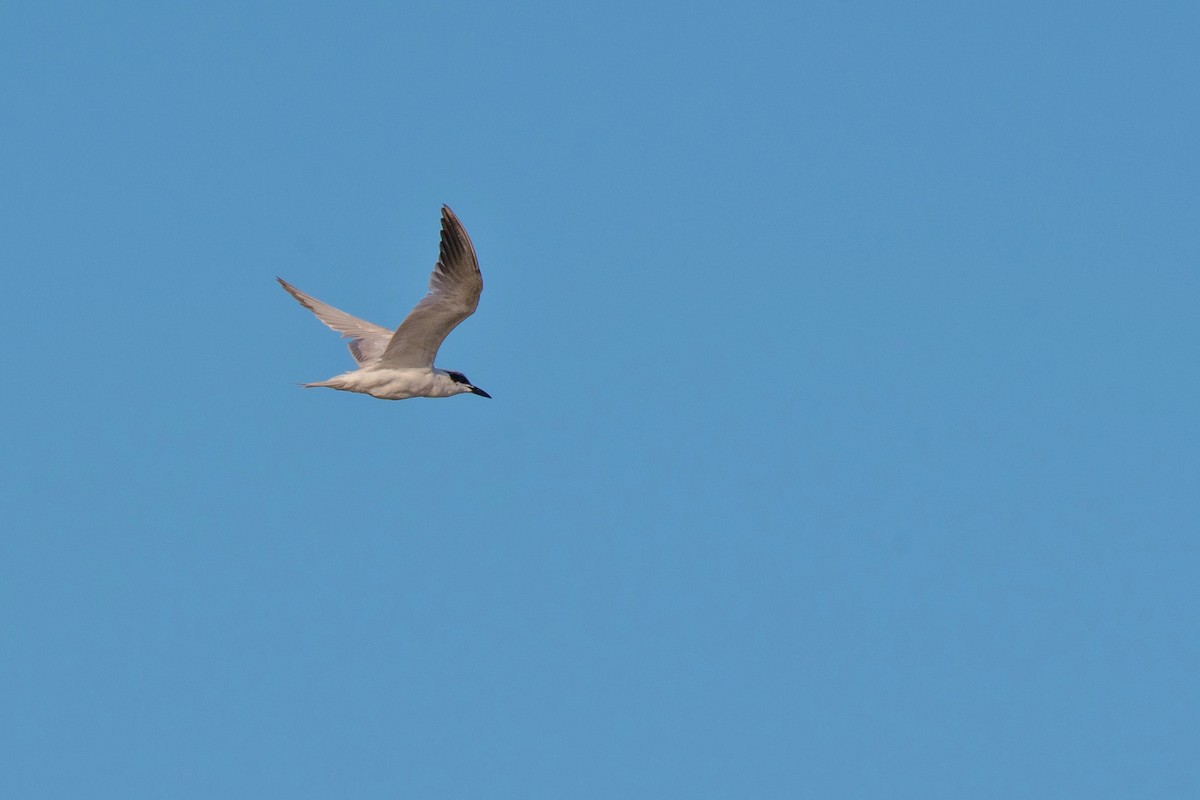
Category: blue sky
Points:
column 844, row 440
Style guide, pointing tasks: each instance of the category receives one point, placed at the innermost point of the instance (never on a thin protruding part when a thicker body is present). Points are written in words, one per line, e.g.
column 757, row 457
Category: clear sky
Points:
column 845, row 440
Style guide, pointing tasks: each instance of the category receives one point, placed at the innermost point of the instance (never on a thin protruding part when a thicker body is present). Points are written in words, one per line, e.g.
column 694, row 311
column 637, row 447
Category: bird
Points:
column 397, row 365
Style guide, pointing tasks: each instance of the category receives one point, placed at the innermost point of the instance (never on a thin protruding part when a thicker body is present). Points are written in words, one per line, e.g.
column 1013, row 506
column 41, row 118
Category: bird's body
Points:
column 397, row 365
column 395, row 384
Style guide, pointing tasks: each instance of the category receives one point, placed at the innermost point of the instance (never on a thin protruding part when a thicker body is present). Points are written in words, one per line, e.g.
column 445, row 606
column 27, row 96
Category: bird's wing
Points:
column 454, row 288
column 367, row 340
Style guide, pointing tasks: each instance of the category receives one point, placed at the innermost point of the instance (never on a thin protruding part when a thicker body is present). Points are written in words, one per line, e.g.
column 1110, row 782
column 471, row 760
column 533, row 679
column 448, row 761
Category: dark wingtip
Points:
column 287, row 287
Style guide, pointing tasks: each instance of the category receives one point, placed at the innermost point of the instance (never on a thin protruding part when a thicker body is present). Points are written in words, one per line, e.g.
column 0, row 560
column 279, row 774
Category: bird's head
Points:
column 465, row 385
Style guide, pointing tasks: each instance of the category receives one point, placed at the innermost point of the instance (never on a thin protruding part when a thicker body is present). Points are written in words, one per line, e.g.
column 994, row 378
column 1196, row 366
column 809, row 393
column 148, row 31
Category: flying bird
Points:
column 397, row 365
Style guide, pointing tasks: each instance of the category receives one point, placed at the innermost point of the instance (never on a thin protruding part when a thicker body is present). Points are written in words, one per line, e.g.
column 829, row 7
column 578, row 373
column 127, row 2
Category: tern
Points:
column 397, row 365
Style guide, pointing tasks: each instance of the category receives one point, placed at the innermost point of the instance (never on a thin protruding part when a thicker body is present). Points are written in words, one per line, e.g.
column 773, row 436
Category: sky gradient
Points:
column 844, row 440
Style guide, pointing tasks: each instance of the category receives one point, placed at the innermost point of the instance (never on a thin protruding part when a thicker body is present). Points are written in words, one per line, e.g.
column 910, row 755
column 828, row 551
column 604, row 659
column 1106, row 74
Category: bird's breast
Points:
column 395, row 384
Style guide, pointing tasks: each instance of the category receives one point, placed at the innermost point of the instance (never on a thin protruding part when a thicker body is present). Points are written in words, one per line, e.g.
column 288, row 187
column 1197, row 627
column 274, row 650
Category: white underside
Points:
column 395, row 384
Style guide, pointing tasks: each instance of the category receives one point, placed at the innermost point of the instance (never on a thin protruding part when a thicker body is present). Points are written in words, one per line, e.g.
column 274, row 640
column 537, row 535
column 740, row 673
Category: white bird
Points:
column 396, row 365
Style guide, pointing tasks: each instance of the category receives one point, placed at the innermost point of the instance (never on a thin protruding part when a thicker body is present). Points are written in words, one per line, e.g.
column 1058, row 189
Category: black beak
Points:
column 480, row 392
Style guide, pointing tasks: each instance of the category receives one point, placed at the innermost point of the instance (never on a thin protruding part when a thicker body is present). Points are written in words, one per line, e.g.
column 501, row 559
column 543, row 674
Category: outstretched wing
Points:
column 454, row 288
column 367, row 340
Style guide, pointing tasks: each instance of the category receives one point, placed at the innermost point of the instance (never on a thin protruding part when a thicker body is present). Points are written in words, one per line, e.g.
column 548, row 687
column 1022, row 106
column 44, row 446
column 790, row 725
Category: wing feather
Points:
column 367, row 340
column 454, row 288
